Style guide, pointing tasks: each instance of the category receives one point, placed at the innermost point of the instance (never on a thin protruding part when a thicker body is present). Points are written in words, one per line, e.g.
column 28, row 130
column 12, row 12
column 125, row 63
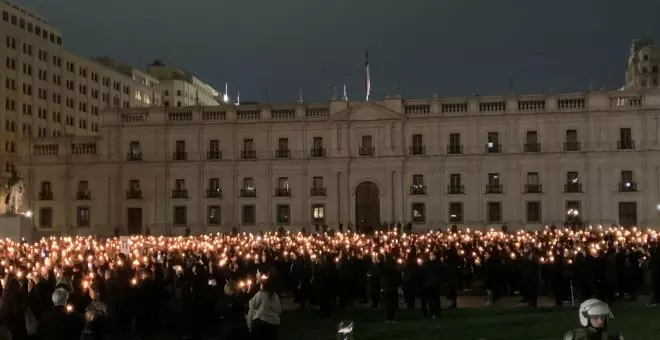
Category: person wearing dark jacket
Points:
column 390, row 281
column 432, row 277
column 61, row 322
column 231, row 308
column 96, row 317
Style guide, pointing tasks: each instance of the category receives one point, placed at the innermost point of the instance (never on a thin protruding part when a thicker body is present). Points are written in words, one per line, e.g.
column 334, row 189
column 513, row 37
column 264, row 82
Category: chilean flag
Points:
column 367, row 77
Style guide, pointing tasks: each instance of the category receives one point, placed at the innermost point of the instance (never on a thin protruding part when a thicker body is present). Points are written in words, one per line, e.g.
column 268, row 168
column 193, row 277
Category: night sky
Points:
column 448, row 47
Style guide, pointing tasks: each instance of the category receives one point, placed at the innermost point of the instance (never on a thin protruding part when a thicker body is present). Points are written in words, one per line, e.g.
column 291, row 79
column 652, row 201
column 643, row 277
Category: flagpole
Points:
column 367, row 76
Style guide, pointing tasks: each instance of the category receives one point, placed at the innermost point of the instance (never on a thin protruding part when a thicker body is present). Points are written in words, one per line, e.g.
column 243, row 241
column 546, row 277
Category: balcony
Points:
column 317, row 191
column 494, row 188
column 455, row 189
column 532, row 147
column 493, row 148
column 368, row 151
column 214, row 193
column 418, row 150
column 418, row 189
column 134, row 156
column 317, row 152
column 573, row 187
column 46, row 196
column 180, row 156
column 248, row 154
column 214, row 155
column 627, row 186
column 248, row 192
column 179, row 193
column 282, row 192
column 572, row 146
column 283, row 153
column 533, row 188
column 84, row 195
column 625, row 144
column 134, row 194
column 454, row 149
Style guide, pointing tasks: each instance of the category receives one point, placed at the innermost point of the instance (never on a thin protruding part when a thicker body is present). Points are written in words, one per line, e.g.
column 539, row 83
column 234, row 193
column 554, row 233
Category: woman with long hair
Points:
column 265, row 309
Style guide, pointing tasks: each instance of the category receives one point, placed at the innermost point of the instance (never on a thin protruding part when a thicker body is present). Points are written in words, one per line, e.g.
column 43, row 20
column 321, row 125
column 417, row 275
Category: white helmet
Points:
column 593, row 308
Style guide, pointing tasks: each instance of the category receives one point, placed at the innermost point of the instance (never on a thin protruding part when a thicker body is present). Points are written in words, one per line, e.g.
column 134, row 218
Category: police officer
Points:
column 593, row 316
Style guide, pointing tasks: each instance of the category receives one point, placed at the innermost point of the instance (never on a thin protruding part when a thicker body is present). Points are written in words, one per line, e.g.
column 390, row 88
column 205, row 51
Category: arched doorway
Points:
column 367, row 206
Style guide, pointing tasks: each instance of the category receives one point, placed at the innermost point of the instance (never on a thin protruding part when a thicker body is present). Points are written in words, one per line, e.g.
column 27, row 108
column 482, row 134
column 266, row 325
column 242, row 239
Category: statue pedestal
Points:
column 16, row 228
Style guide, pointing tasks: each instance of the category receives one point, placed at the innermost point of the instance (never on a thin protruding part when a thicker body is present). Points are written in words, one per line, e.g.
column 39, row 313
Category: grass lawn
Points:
column 505, row 323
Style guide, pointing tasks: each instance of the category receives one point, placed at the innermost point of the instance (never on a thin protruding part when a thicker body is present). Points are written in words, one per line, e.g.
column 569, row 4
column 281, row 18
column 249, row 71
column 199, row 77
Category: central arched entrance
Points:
column 367, row 206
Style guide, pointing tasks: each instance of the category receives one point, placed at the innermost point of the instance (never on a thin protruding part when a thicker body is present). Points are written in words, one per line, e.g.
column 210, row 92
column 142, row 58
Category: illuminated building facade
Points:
column 520, row 160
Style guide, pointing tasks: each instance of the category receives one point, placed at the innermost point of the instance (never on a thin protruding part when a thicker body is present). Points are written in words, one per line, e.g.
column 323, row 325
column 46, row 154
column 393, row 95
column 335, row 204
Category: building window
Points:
column 418, row 187
column 533, row 185
column 494, row 186
column 249, row 214
column 455, row 186
column 135, row 147
column 283, row 214
column 626, row 141
column 318, row 213
column 317, row 189
column 45, row 217
column 83, row 192
column 283, row 150
column 367, row 147
column 419, row 212
column 317, row 147
column 532, row 141
column 493, row 144
column 628, row 214
column 417, row 147
column 573, row 211
column 573, row 182
column 248, row 151
column 83, row 217
column 180, row 215
column 214, row 189
column 533, row 212
column 283, row 188
column 494, row 212
column 456, row 212
column 571, row 143
column 455, row 146
column 214, row 215
column 214, row 149
column 627, row 181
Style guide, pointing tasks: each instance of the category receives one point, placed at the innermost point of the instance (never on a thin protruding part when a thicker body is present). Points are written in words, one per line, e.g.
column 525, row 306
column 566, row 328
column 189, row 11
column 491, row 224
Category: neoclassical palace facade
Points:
column 520, row 160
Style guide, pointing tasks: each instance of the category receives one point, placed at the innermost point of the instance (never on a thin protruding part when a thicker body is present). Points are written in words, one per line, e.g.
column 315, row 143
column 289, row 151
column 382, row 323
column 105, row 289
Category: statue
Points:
column 14, row 199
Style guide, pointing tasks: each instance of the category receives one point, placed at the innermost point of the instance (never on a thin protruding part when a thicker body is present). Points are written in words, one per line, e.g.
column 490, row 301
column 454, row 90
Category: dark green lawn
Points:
column 634, row 321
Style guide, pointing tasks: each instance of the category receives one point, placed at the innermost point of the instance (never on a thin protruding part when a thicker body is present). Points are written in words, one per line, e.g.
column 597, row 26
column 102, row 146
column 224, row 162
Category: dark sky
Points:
column 448, row 47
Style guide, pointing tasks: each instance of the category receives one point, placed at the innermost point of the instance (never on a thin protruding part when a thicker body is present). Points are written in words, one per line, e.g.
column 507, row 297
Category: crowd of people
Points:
column 230, row 285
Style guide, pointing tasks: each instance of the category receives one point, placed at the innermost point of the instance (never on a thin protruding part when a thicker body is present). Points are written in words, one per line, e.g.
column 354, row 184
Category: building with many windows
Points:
column 527, row 160
column 643, row 62
column 180, row 88
column 46, row 90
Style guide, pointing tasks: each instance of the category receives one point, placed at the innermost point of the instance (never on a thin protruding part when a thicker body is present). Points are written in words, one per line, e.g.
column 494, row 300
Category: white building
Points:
column 643, row 63
column 480, row 161
column 46, row 90
column 180, row 88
